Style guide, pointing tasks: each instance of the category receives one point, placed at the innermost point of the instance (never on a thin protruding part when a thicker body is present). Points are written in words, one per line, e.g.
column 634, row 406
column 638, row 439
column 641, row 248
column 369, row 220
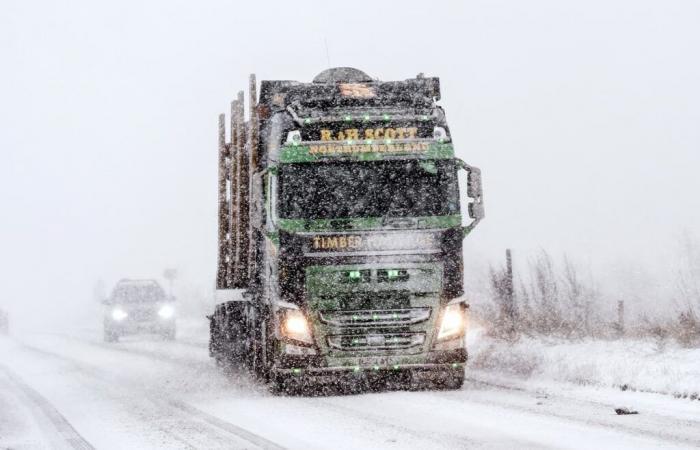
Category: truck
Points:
column 340, row 231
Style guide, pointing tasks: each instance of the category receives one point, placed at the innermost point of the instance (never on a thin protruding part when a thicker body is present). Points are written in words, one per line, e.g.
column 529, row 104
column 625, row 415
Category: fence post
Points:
column 509, row 293
column 621, row 317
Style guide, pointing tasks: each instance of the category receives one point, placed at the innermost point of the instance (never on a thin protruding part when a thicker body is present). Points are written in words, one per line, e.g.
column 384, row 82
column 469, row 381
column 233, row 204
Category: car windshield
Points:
column 399, row 188
column 137, row 294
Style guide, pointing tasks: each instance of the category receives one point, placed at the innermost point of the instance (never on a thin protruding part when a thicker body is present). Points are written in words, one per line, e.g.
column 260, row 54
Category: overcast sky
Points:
column 583, row 116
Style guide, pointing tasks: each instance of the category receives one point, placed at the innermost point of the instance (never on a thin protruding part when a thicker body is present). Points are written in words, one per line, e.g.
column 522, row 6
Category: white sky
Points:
column 582, row 115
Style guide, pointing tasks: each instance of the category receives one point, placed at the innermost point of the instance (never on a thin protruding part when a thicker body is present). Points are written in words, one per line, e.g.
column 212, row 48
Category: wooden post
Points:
column 223, row 207
column 252, row 164
column 241, row 272
column 621, row 317
column 233, row 195
column 509, row 293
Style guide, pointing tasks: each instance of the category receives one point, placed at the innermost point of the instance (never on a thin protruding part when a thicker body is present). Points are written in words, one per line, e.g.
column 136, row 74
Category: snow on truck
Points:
column 340, row 234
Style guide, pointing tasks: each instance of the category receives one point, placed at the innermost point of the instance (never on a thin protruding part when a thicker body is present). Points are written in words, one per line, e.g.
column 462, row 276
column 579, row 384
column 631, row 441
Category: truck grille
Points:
column 376, row 341
column 370, row 318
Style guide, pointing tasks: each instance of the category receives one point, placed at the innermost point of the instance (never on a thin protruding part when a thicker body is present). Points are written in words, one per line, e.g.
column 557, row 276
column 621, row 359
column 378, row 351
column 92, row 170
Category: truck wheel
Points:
column 454, row 382
column 443, row 382
column 285, row 385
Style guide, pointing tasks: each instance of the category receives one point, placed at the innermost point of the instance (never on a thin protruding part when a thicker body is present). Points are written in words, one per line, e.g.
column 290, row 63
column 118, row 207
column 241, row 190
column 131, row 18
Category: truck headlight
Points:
column 119, row 314
column 294, row 325
column 166, row 312
column 453, row 322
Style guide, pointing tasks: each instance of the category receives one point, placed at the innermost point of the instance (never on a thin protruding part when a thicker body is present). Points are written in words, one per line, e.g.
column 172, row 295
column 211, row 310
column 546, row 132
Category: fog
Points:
column 582, row 116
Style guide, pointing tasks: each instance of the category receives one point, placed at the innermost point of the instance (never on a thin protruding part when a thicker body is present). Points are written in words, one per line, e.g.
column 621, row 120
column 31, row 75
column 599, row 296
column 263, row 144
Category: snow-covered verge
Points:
column 638, row 365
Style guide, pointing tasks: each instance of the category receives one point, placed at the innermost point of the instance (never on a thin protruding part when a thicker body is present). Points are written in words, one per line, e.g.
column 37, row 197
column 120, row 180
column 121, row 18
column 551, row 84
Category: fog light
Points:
column 453, row 322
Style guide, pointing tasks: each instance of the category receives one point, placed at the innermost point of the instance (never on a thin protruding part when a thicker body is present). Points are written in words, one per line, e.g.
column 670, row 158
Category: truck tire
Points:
column 450, row 382
column 454, row 382
column 285, row 385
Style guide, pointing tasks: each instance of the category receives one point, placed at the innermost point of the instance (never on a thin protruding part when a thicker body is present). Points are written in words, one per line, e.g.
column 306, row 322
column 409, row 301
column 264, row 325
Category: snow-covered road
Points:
column 70, row 390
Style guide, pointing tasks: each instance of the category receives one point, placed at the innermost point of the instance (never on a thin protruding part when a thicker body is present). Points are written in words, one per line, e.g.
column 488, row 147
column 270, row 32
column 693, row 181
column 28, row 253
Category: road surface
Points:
column 71, row 390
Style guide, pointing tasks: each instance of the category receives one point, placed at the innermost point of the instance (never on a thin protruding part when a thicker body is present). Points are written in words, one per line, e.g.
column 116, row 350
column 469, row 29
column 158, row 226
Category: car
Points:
column 4, row 323
column 138, row 306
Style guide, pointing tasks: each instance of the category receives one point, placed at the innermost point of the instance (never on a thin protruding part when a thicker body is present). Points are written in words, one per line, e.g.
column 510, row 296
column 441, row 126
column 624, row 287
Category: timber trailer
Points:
column 340, row 234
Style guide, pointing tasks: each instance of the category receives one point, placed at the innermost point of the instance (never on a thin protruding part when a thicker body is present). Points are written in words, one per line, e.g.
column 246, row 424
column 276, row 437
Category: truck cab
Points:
column 355, row 262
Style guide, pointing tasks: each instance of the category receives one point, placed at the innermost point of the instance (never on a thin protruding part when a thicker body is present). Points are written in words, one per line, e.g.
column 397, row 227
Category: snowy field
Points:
column 68, row 389
column 647, row 365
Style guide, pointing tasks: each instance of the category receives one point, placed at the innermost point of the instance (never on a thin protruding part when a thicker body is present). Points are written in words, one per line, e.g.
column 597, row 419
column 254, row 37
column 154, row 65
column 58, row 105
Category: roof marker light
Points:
column 307, row 120
column 294, row 138
column 386, row 117
column 348, row 118
column 365, row 117
column 439, row 134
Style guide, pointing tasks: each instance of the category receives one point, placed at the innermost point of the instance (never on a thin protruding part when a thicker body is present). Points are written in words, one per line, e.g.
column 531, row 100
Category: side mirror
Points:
column 474, row 182
column 476, row 211
column 474, row 192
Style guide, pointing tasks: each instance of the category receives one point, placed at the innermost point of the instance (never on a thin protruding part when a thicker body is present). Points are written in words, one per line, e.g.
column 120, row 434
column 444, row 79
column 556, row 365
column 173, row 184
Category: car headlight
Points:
column 166, row 311
column 294, row 325
column 453, row 322
column 119, row 314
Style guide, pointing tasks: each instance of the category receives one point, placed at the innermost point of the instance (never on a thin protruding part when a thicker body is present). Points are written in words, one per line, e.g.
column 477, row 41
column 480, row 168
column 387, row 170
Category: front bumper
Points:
column 436, row 361
column 135, row 327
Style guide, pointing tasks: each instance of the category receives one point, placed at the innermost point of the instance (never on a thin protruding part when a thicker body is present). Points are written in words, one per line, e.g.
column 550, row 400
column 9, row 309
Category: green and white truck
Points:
column 340, row 234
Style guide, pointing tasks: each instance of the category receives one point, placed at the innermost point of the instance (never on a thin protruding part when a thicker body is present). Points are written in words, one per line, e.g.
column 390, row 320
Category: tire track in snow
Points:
column 571, row 411
column 231, row 428
column 194, row 414
column 116, row 347
column 64, row 429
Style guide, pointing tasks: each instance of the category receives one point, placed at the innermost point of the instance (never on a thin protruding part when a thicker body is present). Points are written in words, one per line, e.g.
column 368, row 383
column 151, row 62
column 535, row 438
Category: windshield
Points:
column 406, row 188
column 137, row 294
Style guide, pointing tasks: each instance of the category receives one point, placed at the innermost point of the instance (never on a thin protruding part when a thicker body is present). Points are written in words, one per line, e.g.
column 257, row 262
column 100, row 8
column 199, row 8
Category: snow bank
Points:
column 645, row 365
